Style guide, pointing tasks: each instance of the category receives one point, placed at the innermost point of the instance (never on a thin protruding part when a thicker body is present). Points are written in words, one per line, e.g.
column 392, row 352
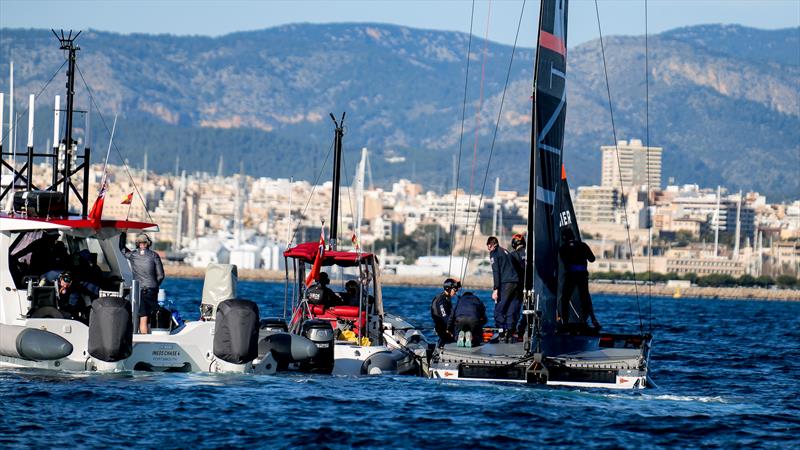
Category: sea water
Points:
column 727, row 375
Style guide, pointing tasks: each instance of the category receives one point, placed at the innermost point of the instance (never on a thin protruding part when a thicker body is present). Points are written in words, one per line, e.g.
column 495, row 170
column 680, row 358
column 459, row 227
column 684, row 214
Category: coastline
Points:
column 484, row 282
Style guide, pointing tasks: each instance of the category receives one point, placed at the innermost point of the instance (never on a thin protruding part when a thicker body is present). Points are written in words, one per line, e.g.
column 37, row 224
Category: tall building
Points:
column 637, row 166
column 598, row 204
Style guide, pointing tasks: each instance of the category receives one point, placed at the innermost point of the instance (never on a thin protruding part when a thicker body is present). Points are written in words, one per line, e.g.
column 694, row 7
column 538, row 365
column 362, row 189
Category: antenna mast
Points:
column 337, row 158
column 70, row 146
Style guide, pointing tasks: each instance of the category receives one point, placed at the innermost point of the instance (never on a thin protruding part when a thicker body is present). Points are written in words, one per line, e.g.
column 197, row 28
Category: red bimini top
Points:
column 307, row 252
column 10, row 222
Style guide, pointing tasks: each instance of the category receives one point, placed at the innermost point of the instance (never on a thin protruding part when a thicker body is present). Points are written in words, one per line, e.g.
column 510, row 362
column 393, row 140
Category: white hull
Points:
column 349, row 358
column 621, row 381
column 188, row 350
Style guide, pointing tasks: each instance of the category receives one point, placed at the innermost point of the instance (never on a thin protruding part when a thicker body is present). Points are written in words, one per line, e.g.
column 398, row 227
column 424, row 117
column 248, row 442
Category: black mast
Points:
column 68, row 44
column 337, row 159
column 529, row 243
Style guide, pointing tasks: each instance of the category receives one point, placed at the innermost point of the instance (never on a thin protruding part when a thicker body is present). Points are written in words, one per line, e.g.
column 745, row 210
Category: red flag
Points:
column 96, row 213
column 127, row 199
column 315, row 268
column 354, row 240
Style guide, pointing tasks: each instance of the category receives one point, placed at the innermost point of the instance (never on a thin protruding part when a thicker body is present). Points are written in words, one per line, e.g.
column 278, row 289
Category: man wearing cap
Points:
column 69, row 293
column 504, row 286
column 149, row 272
column 442, row 308
column 350, row 296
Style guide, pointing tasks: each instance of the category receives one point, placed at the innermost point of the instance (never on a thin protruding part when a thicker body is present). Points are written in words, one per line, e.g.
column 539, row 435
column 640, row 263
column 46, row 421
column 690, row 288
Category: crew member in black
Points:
column 350, row 294
column 504, row 288
column 575, row 254
column 518, row 258
column 441, row 310
column 69, row 294
column 468, row 319
column 320, row 294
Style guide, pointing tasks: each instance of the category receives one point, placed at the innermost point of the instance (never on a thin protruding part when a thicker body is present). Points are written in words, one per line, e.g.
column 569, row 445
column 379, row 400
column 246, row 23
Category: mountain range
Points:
column 723, row 101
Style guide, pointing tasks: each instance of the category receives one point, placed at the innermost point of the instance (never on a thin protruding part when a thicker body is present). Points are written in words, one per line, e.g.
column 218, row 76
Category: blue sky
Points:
column 216, row 17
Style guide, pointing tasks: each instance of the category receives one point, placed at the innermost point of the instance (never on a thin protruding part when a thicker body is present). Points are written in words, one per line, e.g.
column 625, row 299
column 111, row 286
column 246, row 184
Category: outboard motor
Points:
column 272, row 325
column 320, row 332
column 110, row 329
column 287, row 348
column 236, row 331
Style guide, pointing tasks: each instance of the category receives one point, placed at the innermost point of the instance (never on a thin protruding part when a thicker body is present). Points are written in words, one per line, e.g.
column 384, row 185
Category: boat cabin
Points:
column 355, row 310
column 35, row 251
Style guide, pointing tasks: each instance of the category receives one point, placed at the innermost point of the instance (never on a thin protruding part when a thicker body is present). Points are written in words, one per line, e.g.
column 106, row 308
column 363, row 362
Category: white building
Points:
column 630, row 163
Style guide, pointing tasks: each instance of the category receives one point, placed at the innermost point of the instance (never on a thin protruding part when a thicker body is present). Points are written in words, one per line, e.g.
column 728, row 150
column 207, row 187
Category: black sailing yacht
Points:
column 550, row 353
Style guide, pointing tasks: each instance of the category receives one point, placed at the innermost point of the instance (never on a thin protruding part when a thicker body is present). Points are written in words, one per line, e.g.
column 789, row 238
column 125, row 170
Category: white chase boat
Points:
column 95, row 329
column 358, row 338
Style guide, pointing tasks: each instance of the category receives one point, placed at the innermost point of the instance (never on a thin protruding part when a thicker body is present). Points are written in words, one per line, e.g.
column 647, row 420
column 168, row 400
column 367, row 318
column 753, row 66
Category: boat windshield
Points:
column 41, row 254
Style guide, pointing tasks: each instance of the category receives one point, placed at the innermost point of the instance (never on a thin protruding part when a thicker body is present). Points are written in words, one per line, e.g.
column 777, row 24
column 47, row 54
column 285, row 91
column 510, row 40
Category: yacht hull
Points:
column 618, row 362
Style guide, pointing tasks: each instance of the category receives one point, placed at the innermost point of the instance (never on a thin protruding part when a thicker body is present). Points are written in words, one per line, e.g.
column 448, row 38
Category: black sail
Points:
column 548, row 208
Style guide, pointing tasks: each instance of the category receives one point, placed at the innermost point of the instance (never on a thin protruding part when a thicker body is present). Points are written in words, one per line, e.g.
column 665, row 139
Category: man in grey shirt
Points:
column 149, row 272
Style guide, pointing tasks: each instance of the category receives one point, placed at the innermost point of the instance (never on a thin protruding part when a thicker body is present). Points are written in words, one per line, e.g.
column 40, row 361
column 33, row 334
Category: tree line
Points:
column 711, row 280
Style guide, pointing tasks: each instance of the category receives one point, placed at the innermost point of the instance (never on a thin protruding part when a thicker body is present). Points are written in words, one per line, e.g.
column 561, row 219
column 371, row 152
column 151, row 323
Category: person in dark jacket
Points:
column 518, row 258
column 149, row 272
column 575, row 254
column 350, row 296
column 468, row 319
column 441, row 310
column 320, row 294
column 70, row 292
column 505, row 282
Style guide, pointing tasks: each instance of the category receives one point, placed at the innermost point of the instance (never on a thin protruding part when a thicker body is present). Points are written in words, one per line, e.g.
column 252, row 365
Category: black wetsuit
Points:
column 319, row 294
column 505, row 281
column 441, row 310
column 469, row 314
column 574, row 255
column 518, row 258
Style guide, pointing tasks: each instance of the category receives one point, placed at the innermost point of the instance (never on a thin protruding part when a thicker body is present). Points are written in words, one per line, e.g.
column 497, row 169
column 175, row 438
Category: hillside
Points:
column 724, row 100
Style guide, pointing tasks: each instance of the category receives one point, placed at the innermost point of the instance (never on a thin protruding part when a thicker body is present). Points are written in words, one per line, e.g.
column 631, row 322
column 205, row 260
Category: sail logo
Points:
column 564, row 219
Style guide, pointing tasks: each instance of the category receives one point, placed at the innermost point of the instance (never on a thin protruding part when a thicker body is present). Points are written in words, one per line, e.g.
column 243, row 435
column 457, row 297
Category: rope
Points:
column 113, row 144
column 310, row 196
column 616, row 148
column 647, row 143
column 477, row 133
column 494, row 137
column 349, row 196
column 460, row 146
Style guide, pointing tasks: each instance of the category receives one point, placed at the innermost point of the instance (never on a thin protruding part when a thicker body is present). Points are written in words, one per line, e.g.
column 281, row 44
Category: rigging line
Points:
column 616, row 148
column 116, row 148
column 460, row 146
column 494, row 138
column 36, row 96
column 349, row 196
column 478, row 123
column 311, row 195
column 647, row 143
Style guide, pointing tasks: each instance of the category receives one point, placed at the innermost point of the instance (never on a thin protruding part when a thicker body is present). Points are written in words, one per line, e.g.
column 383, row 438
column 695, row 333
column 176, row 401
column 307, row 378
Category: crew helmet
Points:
column 450, row 283
column 142, row 237
column 517, row 240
